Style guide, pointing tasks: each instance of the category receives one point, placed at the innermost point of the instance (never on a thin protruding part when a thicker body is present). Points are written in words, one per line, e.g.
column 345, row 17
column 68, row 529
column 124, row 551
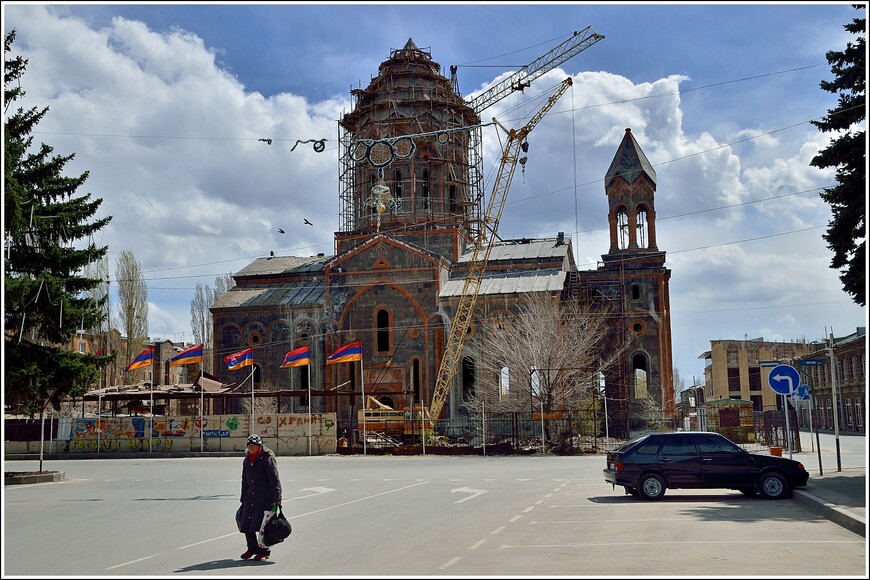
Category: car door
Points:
column 724, row 464
column 678, row 457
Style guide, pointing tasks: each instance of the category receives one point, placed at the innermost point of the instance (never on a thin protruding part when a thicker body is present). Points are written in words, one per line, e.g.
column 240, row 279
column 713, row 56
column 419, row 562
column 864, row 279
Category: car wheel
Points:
column 651, row 487
column 772, row 486
column 748, row 491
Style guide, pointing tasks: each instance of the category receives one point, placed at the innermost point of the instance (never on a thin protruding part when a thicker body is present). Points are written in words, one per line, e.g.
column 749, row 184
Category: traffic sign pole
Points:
column 784, row 379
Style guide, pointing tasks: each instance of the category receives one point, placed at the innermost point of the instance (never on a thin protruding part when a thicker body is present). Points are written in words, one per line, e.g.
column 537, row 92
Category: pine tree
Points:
column 46, row 297
column 846, row 235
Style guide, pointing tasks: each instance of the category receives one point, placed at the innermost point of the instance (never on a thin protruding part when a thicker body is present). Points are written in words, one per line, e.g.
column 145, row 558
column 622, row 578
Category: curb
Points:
column 851, row 521
column 45, row 477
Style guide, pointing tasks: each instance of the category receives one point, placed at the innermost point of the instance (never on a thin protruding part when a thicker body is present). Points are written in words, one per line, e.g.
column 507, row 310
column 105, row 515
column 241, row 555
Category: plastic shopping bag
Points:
column 267, row 515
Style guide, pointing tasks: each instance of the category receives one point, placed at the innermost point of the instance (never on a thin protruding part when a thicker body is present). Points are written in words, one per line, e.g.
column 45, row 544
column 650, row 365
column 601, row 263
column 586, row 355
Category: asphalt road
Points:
column 407, row 516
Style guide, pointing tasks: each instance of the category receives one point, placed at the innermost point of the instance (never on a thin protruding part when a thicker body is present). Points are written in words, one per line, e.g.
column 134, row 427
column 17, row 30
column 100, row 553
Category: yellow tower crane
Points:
column 480, row 256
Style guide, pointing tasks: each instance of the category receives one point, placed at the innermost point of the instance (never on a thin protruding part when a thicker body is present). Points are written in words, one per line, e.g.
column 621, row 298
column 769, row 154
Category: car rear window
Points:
column 650, row 447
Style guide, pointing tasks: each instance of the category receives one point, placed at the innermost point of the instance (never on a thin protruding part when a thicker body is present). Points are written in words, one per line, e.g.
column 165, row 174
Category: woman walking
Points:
column 261, row 492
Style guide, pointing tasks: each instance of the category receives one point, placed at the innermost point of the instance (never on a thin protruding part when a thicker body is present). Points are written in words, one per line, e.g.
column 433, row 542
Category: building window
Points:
column 425, row 189
column 757, row 402
column 398, row 185
column 734, row 382
column 382, row 322
column 635, row 292
column 468, row 378
column 755, row 379
column 415, row 379
column 640, row 377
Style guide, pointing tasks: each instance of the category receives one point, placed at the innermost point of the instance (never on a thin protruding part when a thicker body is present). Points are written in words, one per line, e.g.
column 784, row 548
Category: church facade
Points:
column 410, row 210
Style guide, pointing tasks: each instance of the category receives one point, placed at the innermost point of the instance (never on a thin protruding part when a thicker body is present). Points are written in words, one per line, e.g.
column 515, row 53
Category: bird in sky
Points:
column 307, row 222
column 280, row 231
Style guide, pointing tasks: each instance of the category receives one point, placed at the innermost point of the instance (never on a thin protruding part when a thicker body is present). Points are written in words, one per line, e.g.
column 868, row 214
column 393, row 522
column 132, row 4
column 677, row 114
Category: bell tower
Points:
column 632, row 283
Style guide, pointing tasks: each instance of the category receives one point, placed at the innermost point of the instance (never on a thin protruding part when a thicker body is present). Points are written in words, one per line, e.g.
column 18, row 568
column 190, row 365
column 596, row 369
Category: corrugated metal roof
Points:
column 309, row 292
column 525, row 249
column 551, row 280
column 284, row 265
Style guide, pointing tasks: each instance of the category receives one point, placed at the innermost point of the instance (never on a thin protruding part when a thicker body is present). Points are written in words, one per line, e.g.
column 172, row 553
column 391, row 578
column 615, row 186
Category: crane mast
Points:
column 480, row 256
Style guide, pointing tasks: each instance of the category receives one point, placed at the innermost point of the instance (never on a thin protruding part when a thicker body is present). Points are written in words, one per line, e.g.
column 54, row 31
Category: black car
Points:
column 648, row 465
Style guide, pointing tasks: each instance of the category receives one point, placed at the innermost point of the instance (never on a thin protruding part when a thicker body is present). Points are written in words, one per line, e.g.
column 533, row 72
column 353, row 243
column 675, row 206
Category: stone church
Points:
column 410, row 196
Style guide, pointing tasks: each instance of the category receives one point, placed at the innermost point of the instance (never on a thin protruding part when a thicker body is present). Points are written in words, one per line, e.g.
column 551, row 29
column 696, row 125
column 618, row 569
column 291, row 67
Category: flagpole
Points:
column 252, row 394
column 308, row 366
column 362, row 382
column 201, row 413
column 151, row 430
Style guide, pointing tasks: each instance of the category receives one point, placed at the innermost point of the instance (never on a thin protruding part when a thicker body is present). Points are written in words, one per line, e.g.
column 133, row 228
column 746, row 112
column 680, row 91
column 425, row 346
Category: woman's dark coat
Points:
column 261, row 489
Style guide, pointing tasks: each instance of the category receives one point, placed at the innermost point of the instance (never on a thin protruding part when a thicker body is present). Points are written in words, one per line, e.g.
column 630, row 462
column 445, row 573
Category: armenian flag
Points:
column 299, row 357
column 145, row 358
column 241, row 359
column 347, row 353
column 188, row 356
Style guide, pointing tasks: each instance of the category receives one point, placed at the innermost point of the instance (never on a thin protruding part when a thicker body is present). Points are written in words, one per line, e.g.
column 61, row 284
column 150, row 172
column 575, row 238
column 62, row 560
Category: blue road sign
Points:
column 802, row 393
column 784, row 379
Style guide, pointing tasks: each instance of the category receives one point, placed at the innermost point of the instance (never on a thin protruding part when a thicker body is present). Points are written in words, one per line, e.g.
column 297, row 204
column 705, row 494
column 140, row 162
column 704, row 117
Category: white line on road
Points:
column 132, row 562
column 476, row 544
column 449, row 563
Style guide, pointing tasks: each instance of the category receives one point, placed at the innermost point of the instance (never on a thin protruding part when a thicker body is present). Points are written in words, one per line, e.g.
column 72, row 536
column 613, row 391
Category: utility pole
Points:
column 834, row 396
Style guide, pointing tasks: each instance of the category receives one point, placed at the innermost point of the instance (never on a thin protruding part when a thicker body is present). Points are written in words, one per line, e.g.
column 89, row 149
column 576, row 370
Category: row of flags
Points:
column 295, row 358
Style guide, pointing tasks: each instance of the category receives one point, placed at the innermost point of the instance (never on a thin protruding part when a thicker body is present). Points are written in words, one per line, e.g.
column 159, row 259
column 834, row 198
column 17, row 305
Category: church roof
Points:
column 629, row 162
column 283, row 265
column 303, row 293
column 551, row 280
column 500, row 278
column 523, row 249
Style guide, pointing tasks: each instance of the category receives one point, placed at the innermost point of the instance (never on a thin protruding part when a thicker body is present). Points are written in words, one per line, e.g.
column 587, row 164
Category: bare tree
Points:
column 551, row 352
column 200, row 316
column 106, row 340
column 132, row 304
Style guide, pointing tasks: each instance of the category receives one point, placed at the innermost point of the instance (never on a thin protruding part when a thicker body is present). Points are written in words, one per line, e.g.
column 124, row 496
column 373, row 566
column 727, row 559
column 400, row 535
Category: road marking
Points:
column 498, row 530
column 474, row 492
column 449, row 563
column 131, row 562
column 477, row 544
column 316, row 490
column 515, row 518
column 528, row 509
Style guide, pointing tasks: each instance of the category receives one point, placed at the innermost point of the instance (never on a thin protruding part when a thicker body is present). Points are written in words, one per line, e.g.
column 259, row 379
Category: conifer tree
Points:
column 46, row 296
column 846, row 234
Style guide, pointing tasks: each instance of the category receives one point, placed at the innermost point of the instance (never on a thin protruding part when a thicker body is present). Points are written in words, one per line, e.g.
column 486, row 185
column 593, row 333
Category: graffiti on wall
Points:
column 286, row 432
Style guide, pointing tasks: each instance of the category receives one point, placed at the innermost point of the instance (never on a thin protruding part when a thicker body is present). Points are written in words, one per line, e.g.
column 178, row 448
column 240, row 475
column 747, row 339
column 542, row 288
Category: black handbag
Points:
column 239, row 517
column 277, row 529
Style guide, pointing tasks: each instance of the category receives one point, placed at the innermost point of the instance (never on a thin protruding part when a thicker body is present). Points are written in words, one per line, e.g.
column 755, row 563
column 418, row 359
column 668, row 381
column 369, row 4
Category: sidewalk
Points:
column 839, row 496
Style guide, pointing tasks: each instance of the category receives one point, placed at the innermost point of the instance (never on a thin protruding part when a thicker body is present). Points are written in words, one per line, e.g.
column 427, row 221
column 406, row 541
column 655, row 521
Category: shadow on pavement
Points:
column 226, row 563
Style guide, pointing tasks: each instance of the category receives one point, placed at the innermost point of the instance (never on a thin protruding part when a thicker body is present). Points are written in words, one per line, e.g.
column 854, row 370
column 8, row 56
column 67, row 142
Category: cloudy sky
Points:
column 167, row 106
